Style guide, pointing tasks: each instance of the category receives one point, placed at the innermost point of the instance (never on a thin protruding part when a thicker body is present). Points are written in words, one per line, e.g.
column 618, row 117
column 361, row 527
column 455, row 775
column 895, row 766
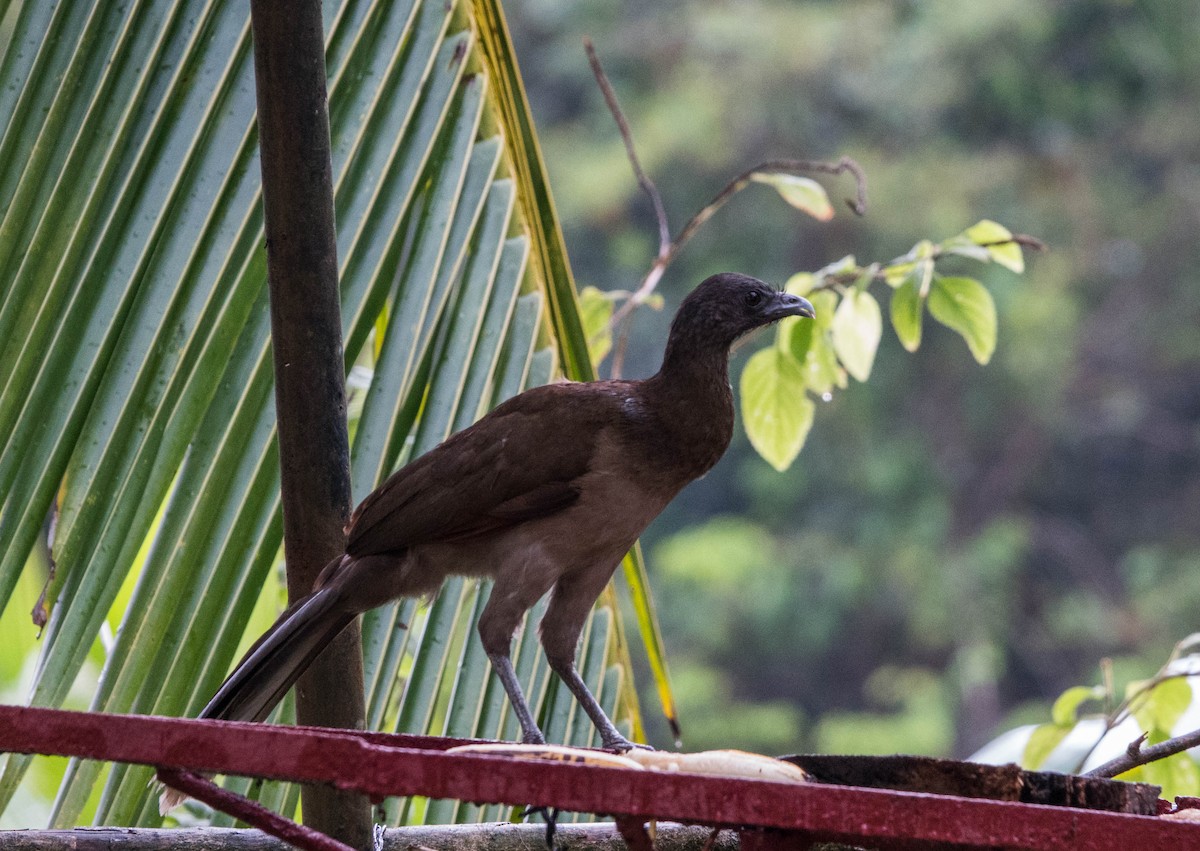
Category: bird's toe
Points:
column 622, row 744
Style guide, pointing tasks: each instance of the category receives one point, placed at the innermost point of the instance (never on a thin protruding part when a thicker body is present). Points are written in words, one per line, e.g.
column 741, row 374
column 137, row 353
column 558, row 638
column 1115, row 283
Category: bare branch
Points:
column 1136, row 755
column 798, row 167
column 858, row 205
column 1125, row 708
column 668, row 248
column 620, row 345
column 845, row 164
column 610, row 97
column 1135, row 747
column 1022, row 239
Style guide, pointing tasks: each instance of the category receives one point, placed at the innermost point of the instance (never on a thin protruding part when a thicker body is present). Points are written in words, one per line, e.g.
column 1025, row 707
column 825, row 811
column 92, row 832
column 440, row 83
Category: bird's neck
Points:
column 692, row 395
column 692, row 366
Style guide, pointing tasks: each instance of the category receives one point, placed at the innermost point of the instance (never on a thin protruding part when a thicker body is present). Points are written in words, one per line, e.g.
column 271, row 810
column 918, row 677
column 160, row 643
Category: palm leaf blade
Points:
column 137, row 376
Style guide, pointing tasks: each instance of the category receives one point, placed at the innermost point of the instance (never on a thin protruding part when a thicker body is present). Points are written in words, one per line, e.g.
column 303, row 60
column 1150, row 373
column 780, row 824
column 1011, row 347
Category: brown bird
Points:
column 545, row 493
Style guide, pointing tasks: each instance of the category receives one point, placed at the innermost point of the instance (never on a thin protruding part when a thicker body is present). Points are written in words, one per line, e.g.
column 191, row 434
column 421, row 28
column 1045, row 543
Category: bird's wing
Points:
column 521, row 461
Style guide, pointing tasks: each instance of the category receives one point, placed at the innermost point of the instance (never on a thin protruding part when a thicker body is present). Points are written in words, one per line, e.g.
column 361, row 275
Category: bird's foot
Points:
column 533, row 737
column 620, row 744
column 550, row 814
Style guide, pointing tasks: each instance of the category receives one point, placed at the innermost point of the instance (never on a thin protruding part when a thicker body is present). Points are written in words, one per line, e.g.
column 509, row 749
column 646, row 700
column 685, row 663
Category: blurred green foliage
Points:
column 956, row 545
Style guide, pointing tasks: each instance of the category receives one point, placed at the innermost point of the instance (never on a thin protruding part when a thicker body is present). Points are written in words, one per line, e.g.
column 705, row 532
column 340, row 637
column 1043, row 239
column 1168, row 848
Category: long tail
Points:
column 274, row 663
column 277, row 660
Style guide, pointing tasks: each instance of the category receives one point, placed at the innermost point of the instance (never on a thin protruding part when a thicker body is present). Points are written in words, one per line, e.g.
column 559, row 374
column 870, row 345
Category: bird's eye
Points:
column 752, row 298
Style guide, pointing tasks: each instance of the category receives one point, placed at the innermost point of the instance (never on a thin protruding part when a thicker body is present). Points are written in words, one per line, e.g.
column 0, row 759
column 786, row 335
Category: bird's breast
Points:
column 682, row 441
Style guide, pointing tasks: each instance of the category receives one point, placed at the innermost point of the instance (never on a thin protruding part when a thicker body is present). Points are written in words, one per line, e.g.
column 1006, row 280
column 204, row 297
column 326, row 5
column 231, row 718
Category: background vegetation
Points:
column 136, row 378
column 956, row 544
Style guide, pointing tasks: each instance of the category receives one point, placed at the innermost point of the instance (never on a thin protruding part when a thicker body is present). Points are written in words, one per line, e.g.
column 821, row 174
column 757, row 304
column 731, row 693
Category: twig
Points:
column 1023, row 239
column 620, row 346
column 1135, row 747
column 1125, row 707
column 858, row 204
column 1136, row 755
column 649, row 189
column 647, row 185
column 829, row 281
column 667, row 247
column 660, row 213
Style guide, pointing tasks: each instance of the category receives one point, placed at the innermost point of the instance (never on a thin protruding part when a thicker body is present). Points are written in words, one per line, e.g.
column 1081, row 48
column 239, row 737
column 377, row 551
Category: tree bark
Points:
column 306, row 336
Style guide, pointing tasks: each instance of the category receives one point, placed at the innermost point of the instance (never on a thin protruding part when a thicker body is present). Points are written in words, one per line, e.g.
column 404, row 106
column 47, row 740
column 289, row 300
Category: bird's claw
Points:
column 550, row 814
column 622, row 744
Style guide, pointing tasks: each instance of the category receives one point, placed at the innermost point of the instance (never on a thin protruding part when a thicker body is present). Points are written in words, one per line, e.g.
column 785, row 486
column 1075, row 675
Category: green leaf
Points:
column 866, row 277
column 1044, row 739
column 907, row 309
column 845, row 266
column 997, row 239
column 595, row 311
column 986, row 231
column 1065, row 711
column 924, row 276
column 857, row 328
column 822, row 372
column 775, row 409
column 795, row 336
column 963, row 247
column 803, row 193
column 965, row 306
column 634, row 570
column 801, row 283
column 1159, row 709
column 1177, row 775
column 923, row 250
column 897, row 273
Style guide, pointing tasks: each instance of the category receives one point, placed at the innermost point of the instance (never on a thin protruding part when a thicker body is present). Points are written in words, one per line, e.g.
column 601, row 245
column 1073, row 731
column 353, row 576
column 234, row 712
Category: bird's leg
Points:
column 530, row 734
column 550, row 814
column 505, row 607
column 573, row 597
column 610, row 736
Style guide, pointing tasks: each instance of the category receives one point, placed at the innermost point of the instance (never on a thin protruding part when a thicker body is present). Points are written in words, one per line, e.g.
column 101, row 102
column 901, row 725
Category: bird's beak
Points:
column 786, row 304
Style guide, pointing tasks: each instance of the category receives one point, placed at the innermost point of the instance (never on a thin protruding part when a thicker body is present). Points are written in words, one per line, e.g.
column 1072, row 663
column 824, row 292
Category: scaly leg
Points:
column 505, row 607
column 530, row 734
column 573, row 598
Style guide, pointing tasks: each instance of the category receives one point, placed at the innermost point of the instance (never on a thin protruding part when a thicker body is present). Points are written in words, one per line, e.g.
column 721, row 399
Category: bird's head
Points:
column 728, row 305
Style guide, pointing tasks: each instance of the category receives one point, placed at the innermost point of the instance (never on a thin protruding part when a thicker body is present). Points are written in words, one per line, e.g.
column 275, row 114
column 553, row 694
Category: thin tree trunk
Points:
column 306, row 335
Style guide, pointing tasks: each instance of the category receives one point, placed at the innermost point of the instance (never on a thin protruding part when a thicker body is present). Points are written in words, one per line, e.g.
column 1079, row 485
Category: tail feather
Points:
column 277, row 660
column 273, row 665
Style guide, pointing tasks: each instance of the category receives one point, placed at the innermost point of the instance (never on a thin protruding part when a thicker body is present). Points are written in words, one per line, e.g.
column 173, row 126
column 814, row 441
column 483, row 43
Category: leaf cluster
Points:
column 811, row 359
column 1160, row 707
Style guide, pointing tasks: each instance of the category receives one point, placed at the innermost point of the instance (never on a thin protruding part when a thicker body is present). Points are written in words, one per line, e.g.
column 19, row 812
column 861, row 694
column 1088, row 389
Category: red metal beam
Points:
column 382, row 765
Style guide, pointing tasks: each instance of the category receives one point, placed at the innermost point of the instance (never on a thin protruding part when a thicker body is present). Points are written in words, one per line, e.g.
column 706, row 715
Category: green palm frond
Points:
column 137, row 400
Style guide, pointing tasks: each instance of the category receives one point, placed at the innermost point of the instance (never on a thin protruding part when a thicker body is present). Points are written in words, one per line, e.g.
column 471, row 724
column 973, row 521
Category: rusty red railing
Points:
column 768, row 815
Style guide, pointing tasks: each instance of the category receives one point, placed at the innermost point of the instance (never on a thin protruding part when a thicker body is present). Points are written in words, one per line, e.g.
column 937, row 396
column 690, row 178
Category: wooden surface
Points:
column 975, row 780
